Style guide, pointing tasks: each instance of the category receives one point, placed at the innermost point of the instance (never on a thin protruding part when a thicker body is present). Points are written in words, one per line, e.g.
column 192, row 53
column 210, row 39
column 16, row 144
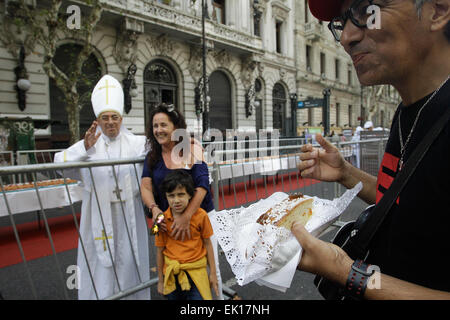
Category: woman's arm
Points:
column 148, row 198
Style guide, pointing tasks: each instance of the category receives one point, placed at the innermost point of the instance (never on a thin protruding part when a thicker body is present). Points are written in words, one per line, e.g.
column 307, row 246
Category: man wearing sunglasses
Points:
column 410, row 50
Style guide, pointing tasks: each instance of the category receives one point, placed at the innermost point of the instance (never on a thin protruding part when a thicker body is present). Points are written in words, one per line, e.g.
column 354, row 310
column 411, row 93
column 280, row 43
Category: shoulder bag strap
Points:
column 359, row 243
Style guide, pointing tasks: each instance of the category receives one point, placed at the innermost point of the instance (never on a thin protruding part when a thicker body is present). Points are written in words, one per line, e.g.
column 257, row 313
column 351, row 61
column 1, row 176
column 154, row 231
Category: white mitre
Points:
column 107, row 96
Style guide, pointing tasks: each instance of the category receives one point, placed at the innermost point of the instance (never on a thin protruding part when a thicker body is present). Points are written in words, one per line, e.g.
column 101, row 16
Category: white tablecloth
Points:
column 51, row 196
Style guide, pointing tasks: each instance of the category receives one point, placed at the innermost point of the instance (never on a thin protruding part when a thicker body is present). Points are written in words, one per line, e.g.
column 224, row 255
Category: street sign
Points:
column 310, row 103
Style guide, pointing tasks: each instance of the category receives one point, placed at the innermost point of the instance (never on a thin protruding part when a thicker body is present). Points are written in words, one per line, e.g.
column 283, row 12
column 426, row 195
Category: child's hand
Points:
column 161, row 287
column 158, row 224
column 214, row 283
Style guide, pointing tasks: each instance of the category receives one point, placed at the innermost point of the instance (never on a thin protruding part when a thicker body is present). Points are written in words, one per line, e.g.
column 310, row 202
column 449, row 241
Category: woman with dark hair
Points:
column 162, row 159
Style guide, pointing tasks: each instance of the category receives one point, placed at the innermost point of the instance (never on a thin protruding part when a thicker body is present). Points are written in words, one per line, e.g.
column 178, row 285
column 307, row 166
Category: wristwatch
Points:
column 357, row 280
column 152, row 206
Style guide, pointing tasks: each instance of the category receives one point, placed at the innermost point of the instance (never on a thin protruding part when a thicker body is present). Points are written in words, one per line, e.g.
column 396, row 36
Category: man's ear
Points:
column 439, row 14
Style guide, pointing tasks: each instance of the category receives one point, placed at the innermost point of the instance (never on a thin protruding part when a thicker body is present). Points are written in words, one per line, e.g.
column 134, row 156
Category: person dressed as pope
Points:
column 113, row 253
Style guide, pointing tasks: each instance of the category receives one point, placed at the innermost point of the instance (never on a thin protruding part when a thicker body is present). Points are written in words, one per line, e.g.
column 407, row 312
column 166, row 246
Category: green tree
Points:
column 28, row 26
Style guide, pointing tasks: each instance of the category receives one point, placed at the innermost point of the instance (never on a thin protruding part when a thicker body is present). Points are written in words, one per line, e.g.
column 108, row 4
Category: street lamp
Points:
column 22, row 82
column 293, row 97
column 326, row 111
column 205, row 80
column 129, row 87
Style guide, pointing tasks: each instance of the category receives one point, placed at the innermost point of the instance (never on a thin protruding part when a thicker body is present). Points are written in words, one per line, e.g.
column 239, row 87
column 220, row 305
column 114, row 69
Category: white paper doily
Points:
column 254, row 251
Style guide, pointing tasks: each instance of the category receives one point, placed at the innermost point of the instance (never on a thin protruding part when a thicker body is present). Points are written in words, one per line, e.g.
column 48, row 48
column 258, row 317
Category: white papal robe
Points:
column 102, row 228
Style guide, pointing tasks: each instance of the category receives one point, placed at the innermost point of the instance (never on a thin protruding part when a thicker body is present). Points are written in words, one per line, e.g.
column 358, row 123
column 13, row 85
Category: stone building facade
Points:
column 261, row 58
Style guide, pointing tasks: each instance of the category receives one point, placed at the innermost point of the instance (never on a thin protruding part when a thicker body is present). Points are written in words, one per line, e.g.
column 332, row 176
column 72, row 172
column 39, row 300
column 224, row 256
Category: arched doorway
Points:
column 220, row 113
column 279, row 107
column 65, row 58
column 160, row 86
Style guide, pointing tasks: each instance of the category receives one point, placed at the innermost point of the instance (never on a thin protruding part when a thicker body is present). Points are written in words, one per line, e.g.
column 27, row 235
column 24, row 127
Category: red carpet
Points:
column 35, row 242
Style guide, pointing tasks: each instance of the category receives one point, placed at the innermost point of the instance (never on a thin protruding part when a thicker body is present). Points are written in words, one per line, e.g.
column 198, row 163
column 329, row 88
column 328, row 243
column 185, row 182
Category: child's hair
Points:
column 175, row 178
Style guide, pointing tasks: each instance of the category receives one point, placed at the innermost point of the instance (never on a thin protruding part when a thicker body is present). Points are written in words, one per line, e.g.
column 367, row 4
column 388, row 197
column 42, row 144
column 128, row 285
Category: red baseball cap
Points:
column 325, row 10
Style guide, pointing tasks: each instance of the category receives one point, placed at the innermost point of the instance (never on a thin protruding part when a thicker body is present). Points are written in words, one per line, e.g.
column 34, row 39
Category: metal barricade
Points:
column 44, row 198
column 244, row 181
column 234, row 183
column 25, row 157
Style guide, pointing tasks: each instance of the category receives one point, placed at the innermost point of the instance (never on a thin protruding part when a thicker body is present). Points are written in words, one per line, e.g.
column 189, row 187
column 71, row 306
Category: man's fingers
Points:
column 306, row 147
column 324, row 143
column 313, row 154
column 302, row 235
column 305, row 165
column 307, row 173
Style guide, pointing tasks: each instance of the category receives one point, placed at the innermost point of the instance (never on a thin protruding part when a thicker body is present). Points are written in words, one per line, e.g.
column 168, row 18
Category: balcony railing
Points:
column 182, row 21
column 313, row 30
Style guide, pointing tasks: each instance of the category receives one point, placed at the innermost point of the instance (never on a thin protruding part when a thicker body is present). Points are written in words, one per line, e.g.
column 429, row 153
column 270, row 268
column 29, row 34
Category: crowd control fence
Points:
column 55, row 199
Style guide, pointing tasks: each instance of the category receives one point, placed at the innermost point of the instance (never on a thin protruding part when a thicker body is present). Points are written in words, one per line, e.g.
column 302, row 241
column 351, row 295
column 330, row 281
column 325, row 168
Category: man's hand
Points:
column 90, row 138
column 180, row 227
column 322, row 258
column 325, row 164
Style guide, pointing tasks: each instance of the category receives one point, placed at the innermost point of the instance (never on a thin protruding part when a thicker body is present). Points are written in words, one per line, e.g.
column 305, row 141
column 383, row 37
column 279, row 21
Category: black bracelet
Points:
column 357, row 280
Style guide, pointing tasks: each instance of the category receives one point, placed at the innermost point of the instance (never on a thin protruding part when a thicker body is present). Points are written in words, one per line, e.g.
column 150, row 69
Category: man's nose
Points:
column 351, row 35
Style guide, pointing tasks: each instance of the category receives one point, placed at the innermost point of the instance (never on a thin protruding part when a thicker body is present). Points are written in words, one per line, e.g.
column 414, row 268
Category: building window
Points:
column 219, row 11
column 160, row 86
column 337, row 70
column 322, row 64
column 278, row 108
column 308, row 58
column 278, row 25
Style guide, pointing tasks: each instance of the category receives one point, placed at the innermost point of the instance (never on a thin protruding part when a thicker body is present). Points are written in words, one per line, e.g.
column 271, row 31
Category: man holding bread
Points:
column 410, row 51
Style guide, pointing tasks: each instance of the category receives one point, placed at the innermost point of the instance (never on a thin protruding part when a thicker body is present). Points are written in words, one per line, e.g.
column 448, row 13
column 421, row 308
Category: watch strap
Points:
column 357, row 280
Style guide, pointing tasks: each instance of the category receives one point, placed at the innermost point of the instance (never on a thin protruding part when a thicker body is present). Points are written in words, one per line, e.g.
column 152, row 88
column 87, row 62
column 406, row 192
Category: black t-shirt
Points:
column 412, row 243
